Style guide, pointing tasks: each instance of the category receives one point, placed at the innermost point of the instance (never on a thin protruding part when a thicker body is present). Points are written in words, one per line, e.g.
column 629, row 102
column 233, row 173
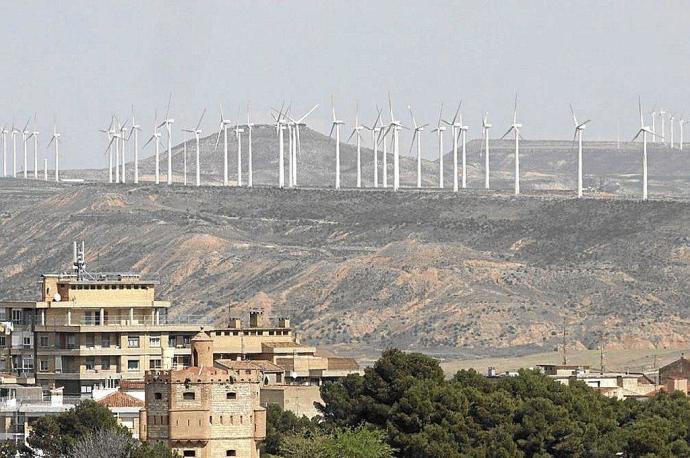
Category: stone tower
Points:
column 202, row 350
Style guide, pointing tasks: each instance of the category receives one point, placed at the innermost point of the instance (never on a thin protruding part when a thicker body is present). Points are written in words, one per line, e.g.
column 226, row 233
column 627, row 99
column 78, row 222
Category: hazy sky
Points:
column 83, row 60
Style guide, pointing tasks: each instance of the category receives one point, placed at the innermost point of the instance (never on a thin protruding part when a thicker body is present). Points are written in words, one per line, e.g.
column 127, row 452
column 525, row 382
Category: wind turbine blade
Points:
column 200, row 119
column 149, row 141
column 585, row 123
column 414, row 136
column 637, row 135
column 440, row 116
column 414, row 123
column 27, row 125
column 515, row 110
column 639, row 105
column 167, row 110
column 111, row 142
column 330, row 134
column 50, row 142
column 457, row 112
column 507, row 132
column 573, row 113
column 300, row 120
column 215, row 148
column 351, row 135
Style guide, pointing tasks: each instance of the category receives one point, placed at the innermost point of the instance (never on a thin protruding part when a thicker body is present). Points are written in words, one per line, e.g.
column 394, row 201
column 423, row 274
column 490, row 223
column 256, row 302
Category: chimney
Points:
column 283, row 322
column 256, row 318
column 235, row 323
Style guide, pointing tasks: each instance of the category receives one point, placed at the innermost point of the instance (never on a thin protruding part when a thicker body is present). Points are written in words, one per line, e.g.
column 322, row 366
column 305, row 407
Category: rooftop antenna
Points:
column 78, row 261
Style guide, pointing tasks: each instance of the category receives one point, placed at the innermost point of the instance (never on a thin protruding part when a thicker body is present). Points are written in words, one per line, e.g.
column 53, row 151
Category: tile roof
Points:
column 120, row 399
column 265, row 366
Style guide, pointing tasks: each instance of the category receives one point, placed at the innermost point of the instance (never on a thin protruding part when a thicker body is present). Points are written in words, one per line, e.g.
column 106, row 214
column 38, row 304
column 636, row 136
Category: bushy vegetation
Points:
column 418, row 413
column 89, row 430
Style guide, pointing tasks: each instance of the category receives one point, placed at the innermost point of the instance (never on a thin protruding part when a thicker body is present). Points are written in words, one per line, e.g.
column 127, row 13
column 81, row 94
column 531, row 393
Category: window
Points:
column 172, row 341
column 133, row 341
column 155, row 364
column 86, row 389
column 231, row 453
column 71, row 342
column 189, row 453
column 186, row 340
column 188, row 396
column 16, row 316
column 158, row 396
column 231, row 395
column 90, row 363
column 133, row 365
column 89, row 340
column 2, row 341
column 26, row 341
column 105, row 363
column 105, row 340
column 155, row 341
column 43, row 365
column 44, row 341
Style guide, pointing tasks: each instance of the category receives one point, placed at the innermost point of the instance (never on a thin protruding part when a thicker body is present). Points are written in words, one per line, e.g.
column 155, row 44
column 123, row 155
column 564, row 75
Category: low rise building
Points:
column 619, row 385
column 204, row 410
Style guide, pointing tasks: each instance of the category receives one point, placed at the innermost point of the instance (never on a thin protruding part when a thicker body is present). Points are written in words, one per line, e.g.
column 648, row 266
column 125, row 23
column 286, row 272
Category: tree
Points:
column 281, row 422
column 360, row 443
column 57, row 435
column 104, row 443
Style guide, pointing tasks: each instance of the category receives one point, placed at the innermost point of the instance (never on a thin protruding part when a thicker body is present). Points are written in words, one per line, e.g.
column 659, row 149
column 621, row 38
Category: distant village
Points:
column 202, row 391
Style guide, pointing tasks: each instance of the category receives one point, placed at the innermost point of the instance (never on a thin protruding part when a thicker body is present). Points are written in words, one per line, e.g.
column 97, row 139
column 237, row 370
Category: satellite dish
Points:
column 57, row 297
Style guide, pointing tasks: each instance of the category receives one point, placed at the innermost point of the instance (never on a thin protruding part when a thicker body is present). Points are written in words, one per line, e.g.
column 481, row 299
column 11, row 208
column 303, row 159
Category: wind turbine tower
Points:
column 485, row 130
column 135, row 131
column 238, row 133
column 4, row 151
column 662, row 114
column 375, row 130
column 197, row 135
column 456, row 127
column 644, row 130
column 356, row 131
column 155, row 136
column 298, row 143
column 25, row 136
column 56, row 139
column 579, row 128
column 671, row 118
column 417, row 134
column 123, row 136
column 168, row 122
column 516, row 128
column 439, row 131
column 681, row 122
column 224, row 123
column 396, row 126
column 15, row 131
column 34, row 135
column 335, row 125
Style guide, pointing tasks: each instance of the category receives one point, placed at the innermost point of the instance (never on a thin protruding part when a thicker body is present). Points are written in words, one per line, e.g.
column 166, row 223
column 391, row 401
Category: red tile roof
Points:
column 120, row 399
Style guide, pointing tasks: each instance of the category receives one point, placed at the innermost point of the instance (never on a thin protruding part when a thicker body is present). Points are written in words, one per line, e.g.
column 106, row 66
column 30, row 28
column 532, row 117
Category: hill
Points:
column 472, row 273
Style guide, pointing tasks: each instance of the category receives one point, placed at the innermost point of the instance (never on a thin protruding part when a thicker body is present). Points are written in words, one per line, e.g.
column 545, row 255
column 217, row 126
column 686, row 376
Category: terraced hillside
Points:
column 472, row 273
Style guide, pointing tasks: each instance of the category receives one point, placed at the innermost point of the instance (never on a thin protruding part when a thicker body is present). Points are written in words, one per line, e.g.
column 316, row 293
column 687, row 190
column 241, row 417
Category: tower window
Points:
column 188, row 396
column 231, row 395
column 158, row 396
column 231, row 453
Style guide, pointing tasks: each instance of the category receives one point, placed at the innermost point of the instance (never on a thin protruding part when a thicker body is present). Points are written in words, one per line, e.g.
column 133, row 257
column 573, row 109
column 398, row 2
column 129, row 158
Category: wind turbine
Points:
column 25, row 136
column 663, row 130
column 356, row 131
column 579, row 128
column 4, row 150
column 197, row 134
column 336, row 125
column 298, row 143
column 644, row 130
column 516, row 128
column 116, row 137
column 238, row 133
column 671, row 118
column 681, row 122
column 15, row 131
column 157, row 136
column 135, row 131
column 34, row 135
column 168, row 122
column 654, row 113
column 223, row 127
column 110, row 132
column 250, row 171
column 396, row 126
column 439, row 132
column 375, row 130
column 56, row 138
column 280, row 126
column 456, row 128
column 485, row 130
column 123, row 136
column 417, row 134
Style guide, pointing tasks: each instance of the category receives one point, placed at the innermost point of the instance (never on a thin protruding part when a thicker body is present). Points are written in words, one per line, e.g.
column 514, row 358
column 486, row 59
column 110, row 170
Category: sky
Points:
column 75, row 63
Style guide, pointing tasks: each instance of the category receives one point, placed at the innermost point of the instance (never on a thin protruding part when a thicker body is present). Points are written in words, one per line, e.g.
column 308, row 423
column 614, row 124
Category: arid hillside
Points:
column 466, row 274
